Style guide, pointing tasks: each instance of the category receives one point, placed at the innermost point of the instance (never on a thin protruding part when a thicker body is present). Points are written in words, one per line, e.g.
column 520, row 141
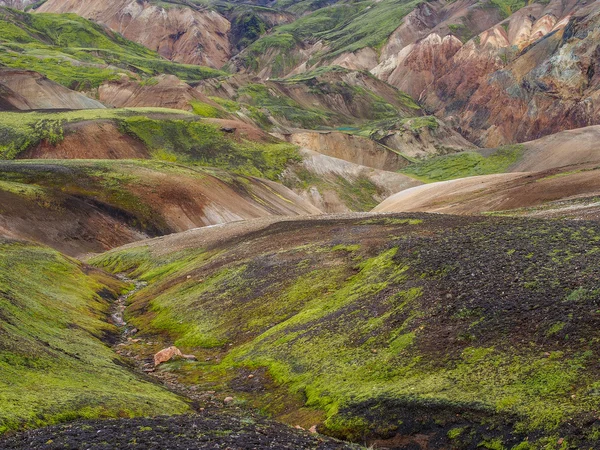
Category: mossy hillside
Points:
column 464, row 164
column 277, row 50
column 344, row 27
column 282, row 107
column 508, row 7
column 411, row 324
column 54, row 366
column 20, row 131
column 318, row 99
column 78, row 53
column 184, row 139
column 201, row 143
column 246, row 27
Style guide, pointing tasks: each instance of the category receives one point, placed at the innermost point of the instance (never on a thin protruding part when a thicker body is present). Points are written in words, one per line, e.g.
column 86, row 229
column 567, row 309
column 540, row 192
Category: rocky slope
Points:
column 495, row 86
column 226, row 428
column 179, row 33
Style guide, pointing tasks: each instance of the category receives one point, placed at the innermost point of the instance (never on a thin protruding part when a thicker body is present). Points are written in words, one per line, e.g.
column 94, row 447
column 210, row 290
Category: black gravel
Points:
column 219, row 429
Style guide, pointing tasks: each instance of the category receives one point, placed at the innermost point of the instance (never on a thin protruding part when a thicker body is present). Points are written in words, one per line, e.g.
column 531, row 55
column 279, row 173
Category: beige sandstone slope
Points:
column 561, row 167
column 24, row 90
column 567, row 148
column 179, row 33
column 569, row 192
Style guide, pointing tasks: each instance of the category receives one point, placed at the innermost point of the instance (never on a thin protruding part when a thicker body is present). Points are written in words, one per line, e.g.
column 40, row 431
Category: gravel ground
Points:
column 216, row 429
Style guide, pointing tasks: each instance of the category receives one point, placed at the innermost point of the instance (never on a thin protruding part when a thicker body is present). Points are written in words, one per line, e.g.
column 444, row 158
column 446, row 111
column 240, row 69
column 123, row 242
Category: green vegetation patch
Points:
column 182, row 139
column 281, row 45
column 202, row 143
column 80, row 54
column 344, row 27
column 20, row 131
column 54, row 366
column 465, row 164
column 281, row 106
column 464, row 324
column 508, row 7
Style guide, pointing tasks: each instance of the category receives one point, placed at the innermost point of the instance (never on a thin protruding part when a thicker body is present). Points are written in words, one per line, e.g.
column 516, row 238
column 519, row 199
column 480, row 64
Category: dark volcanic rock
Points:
column 209, row 430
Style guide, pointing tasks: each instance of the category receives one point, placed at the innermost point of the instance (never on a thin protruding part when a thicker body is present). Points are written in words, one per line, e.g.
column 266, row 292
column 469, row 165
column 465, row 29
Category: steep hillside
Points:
column 182, row 33
column 78, row 53
column 494, row 73
column 389, row 329
column 517, row 75
column 54, row 365
column 345, row 33
column 163, row 91
column 327, row 97
column 24, row 90
column 334, row 185
column 86, row 206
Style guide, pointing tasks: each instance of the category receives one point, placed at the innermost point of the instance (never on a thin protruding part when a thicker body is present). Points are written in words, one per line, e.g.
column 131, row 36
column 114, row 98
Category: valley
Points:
column 299, row 224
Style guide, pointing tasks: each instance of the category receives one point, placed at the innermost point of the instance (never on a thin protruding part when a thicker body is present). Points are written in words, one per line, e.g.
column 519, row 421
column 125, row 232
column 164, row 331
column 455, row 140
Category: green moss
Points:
column 455, row 432
column 355, row 332
column 205, row 144
column 205, row 110
column 78, row 53
column 464, row 164
column 188, row 141
column 281, row 43
column 508, row 7
column 350, row 27
column 53, row 364
column 494, row 444
column 281, row 106
column 417, row 123
column 20, row 131
column 246, row 27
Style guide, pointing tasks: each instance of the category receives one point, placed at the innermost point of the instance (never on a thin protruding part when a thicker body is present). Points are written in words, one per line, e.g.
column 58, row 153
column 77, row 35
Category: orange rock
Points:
column 166, row 355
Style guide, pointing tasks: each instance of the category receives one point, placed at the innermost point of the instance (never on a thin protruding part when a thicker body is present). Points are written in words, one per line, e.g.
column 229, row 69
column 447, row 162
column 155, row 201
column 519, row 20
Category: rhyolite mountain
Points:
column 365, row 223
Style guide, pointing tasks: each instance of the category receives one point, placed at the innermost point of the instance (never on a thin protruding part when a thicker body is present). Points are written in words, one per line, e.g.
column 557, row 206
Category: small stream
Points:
column 118, row 307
